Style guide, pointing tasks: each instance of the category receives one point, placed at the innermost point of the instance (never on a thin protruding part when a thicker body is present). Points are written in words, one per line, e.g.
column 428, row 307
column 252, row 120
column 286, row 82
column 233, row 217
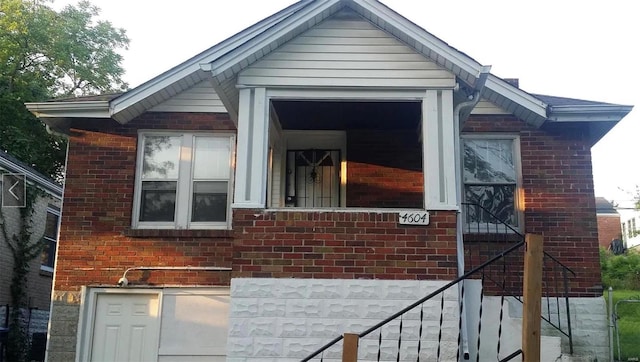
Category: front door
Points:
column 126, row 328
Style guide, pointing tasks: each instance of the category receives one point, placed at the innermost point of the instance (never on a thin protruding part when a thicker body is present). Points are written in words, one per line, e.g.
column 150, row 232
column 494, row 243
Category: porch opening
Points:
column 337, row 154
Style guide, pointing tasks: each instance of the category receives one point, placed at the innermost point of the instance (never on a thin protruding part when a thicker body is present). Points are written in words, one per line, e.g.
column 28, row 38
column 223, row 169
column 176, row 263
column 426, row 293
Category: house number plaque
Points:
column 413, row 217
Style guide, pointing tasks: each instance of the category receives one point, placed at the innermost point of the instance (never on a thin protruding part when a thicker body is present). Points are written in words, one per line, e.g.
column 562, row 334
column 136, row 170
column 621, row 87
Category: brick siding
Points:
column 558, row 194
column 96, row 244
column 384, row 169
column 348, row 245
column 608, row 229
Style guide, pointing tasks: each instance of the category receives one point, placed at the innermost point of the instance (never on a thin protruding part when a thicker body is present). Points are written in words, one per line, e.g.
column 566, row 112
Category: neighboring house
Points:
column 608, row 222
column 45, row 221
column 261, row 190
column 630, row 224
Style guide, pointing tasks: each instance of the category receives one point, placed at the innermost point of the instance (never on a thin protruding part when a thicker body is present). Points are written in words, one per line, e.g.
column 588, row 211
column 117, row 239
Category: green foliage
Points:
column 24, row 247
column 45, row 54
column 620, row 271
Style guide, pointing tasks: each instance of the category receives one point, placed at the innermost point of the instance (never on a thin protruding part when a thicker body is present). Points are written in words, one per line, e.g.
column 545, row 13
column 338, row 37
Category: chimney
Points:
column 513, row 81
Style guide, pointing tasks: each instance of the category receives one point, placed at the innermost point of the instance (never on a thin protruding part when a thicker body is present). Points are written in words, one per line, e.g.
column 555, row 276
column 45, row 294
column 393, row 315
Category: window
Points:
column 183, row 181
column 491, row 176
column 50, row 239
column 624, row 231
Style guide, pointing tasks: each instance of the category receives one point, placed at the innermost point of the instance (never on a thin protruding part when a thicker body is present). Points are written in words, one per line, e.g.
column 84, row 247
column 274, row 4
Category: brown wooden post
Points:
column 532, row 295
column 350, row 348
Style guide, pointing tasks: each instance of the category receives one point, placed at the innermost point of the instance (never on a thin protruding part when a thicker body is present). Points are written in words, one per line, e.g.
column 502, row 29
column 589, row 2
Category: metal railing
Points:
column 496, row 274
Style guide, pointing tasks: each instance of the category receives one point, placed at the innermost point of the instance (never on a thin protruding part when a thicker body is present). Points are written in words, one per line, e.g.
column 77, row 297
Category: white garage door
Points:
column 160, row 325
column 126, row 328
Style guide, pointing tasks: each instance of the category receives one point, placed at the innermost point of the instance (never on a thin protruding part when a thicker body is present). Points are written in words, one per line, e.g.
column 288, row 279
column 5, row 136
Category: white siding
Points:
column 348, row 51
column 199, row 98
column 486, row 107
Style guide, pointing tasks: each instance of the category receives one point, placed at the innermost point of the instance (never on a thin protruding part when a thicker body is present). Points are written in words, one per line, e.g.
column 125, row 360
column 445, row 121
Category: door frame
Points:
column 86, row 320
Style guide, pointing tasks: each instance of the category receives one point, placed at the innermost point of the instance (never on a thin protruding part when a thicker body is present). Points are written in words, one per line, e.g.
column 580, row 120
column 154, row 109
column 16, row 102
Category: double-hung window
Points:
column 491, row 175
column 183, row 180
column 50, row 239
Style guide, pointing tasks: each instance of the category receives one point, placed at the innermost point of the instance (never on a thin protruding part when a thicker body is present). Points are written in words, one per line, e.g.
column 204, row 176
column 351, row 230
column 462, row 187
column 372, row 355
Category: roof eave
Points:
column 42, row 181
column 589, row 113
column 72, row 109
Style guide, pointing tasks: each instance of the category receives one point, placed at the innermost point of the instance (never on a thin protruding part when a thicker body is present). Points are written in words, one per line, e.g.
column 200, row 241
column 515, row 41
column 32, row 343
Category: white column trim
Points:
column 260, row 149
column 242, row 152
column 252, row 149
column 438, row 150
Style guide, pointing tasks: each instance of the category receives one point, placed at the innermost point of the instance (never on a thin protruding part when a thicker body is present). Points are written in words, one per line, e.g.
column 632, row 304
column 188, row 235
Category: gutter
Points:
column 588, row 113
column 459, row 109
column 81, row 109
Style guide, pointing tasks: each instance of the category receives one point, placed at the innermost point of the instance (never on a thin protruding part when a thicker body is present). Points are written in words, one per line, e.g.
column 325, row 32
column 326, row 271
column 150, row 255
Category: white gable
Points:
column 199, row 98
column 486, row 107
column 346, row 51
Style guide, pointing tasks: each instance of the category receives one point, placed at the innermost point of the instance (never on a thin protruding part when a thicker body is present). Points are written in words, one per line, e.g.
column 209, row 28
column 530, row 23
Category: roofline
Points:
column 517, row 95
column 589, row 113
column 192, row 65
column 416, row 32
column 220, row 66
column 32, row 175
column 74, row 109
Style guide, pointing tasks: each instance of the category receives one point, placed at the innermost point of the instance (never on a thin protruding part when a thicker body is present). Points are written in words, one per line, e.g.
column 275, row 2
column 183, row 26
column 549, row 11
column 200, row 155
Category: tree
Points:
column 46, row 54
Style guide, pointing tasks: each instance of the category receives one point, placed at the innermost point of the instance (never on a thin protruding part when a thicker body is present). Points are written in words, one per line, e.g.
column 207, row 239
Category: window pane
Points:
column 161, row 157
column 498, row 200
column 51, row 226
column 489, row 161
column 211, row 158
column 158, row 201
column 48, row 253
column 209, row 201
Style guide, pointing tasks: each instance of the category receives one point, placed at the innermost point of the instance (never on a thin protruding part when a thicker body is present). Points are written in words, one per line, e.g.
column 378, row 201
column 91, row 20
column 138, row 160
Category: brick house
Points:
column 248, row 202
column 45, row 221
column 608, row 222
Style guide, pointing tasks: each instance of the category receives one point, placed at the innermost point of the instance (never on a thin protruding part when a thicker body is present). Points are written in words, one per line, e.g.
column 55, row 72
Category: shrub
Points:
column 620, row 271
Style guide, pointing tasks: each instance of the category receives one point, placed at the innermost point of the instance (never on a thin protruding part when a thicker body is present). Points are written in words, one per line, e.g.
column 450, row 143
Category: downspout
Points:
column 464, row 334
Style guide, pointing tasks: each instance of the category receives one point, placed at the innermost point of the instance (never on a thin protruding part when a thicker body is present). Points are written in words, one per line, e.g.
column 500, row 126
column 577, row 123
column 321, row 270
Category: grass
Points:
column 628, row 325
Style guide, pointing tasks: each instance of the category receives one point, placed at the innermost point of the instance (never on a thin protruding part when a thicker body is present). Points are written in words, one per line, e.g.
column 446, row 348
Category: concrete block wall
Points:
column 287, row 319
column 589, row 325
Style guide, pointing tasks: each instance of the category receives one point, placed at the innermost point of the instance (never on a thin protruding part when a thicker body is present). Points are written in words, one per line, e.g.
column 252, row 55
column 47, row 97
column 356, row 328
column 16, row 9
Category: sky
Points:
column 583, row 49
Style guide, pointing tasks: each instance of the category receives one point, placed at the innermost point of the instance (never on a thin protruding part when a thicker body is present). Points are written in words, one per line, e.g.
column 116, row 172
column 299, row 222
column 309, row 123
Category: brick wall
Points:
column 558, row 194
column 96, row 244
column 384, row 169
column 608, row 229
column 351, row 245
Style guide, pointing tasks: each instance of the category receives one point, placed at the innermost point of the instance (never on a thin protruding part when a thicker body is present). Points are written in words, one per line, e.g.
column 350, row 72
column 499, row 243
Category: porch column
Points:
column 252, row 149
column 438, row 149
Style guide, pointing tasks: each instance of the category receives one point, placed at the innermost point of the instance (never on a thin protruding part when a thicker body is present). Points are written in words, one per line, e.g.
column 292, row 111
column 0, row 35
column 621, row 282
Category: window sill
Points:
column 172, row 233
column 46, row 271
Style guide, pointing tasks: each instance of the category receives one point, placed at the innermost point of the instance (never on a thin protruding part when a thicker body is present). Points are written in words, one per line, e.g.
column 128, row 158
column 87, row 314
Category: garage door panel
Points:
column 194, row 325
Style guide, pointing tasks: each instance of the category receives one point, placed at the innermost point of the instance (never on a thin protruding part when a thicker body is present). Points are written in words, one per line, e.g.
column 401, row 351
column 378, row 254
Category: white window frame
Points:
column 55, row 211
column 184, row 192
column 518, row 193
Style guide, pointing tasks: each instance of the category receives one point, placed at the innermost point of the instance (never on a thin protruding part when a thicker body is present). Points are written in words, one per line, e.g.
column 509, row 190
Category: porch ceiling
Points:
column 323, row 115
